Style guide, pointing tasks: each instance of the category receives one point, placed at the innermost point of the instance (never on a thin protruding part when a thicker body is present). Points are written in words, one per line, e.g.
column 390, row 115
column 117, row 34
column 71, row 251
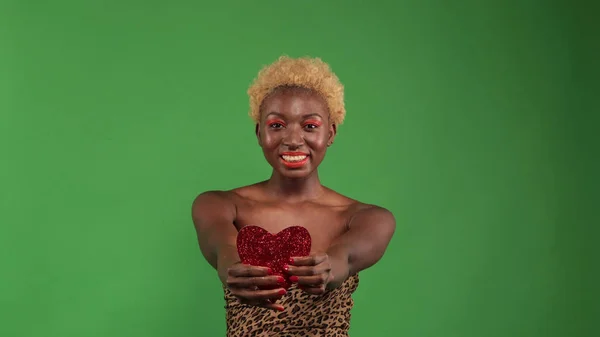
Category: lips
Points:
column 294, row 159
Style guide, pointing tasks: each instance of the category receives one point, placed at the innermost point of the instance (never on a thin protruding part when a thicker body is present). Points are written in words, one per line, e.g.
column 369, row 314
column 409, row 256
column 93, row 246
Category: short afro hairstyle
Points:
column 305, row 72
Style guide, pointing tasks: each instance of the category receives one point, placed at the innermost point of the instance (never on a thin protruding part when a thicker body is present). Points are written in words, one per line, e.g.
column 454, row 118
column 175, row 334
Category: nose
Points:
column 293, row 138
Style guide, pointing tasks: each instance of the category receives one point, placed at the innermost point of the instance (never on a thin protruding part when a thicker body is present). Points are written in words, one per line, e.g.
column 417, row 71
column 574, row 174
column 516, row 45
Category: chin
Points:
column 295, row 174
column 292, row 171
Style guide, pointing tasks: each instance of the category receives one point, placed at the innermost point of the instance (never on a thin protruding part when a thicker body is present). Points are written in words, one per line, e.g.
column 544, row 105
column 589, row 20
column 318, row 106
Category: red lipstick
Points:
column 294, row 154
column 294, row 162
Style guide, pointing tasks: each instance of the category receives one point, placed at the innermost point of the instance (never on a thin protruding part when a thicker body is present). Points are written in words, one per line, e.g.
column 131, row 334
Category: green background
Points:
column 463, row 119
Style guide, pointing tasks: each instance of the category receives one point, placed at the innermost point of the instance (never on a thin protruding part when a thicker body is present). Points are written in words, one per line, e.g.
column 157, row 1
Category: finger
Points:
column 302, row 271
column 265, row 304
column 272, row 306
column 309, row 270
column 311, row 260
column 247, row 282
column 247, row 270
column 313, row 281
column 258, row 295
column 314, row 290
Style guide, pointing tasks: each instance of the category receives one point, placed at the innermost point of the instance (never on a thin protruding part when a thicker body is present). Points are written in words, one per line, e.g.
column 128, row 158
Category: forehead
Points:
column 293, row 101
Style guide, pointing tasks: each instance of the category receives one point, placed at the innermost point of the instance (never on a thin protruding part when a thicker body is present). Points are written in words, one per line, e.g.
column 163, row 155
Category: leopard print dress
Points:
column 304, row 314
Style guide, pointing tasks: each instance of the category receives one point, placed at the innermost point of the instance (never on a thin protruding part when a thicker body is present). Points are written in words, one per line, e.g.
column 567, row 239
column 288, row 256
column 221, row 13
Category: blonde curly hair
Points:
column 305, row 72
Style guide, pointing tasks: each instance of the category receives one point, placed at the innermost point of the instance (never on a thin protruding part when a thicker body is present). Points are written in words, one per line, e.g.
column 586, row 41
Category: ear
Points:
column 332, row 133
column 257, row 132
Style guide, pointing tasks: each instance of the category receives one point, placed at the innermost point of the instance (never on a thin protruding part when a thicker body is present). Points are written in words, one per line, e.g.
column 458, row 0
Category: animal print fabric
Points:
column 326, row 315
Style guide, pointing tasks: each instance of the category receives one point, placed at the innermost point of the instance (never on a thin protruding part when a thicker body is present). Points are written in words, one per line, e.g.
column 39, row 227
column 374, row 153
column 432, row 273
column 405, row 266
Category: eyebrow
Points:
column 304, row 116
column 312, row 115
column 274, row 113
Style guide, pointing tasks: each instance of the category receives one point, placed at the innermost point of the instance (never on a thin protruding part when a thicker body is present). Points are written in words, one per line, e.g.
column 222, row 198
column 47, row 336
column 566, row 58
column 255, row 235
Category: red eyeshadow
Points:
column 275, row 121
column 313, row 121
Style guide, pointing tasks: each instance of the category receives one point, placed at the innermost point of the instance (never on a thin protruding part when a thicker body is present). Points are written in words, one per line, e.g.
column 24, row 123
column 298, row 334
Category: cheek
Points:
column 270, row 140
column 318, row 142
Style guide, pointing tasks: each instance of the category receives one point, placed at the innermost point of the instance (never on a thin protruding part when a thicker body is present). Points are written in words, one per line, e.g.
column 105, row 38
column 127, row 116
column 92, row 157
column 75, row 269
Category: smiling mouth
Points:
column 294, row 159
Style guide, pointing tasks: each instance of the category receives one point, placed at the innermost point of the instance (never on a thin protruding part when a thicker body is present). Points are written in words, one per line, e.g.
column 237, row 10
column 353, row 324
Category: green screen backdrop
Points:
column 116, row 114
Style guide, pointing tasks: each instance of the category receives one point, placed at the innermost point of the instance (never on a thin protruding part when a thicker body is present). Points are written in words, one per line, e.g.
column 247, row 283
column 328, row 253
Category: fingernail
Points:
column 291, row 260
column 269, row 271
column 286, row 268
column 280, row 279
column 282, row 292
column 280, row 308
column 294, row 278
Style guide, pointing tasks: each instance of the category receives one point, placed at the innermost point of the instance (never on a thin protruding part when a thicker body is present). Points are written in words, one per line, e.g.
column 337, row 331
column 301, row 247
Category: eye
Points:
column 275, row 124
column 312, row 124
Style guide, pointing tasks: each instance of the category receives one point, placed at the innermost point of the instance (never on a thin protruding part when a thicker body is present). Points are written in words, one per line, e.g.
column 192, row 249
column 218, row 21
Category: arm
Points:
column 364, row 243
column 213, row 214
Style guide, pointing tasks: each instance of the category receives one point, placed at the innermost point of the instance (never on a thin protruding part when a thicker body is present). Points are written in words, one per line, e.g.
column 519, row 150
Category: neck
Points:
column 295, row 189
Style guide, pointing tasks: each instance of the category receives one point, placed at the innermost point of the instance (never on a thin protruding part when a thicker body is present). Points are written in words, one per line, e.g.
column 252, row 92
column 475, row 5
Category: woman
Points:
column 297, row 105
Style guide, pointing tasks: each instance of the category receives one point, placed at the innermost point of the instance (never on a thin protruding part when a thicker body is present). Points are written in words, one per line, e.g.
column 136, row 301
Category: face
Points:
column 294, row 131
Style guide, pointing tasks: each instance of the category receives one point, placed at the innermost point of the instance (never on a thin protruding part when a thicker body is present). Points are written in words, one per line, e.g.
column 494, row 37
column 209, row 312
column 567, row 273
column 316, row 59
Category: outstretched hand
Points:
column 255, row 286
column 312, row 273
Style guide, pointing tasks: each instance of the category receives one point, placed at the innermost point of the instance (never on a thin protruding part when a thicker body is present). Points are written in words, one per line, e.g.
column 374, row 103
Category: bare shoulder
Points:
column 357, row 210
column 248, row 192
column 212, row 198
column 222, row 200
column 214, row 206
column 335, row 199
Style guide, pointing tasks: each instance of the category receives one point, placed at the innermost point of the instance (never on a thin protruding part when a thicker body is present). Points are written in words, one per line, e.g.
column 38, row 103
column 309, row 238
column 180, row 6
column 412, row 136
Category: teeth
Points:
column 293, row 158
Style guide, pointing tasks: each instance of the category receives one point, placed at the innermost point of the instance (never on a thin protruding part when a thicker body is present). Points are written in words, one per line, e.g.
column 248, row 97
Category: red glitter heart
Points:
column 257, row 247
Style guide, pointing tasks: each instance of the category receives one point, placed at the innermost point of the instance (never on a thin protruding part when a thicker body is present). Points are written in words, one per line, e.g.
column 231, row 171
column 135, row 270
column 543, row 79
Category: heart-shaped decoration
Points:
column 258, row 247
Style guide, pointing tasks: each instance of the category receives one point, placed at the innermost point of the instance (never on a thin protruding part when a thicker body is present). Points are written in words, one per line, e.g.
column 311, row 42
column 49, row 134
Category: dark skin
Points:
column 348, row 236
